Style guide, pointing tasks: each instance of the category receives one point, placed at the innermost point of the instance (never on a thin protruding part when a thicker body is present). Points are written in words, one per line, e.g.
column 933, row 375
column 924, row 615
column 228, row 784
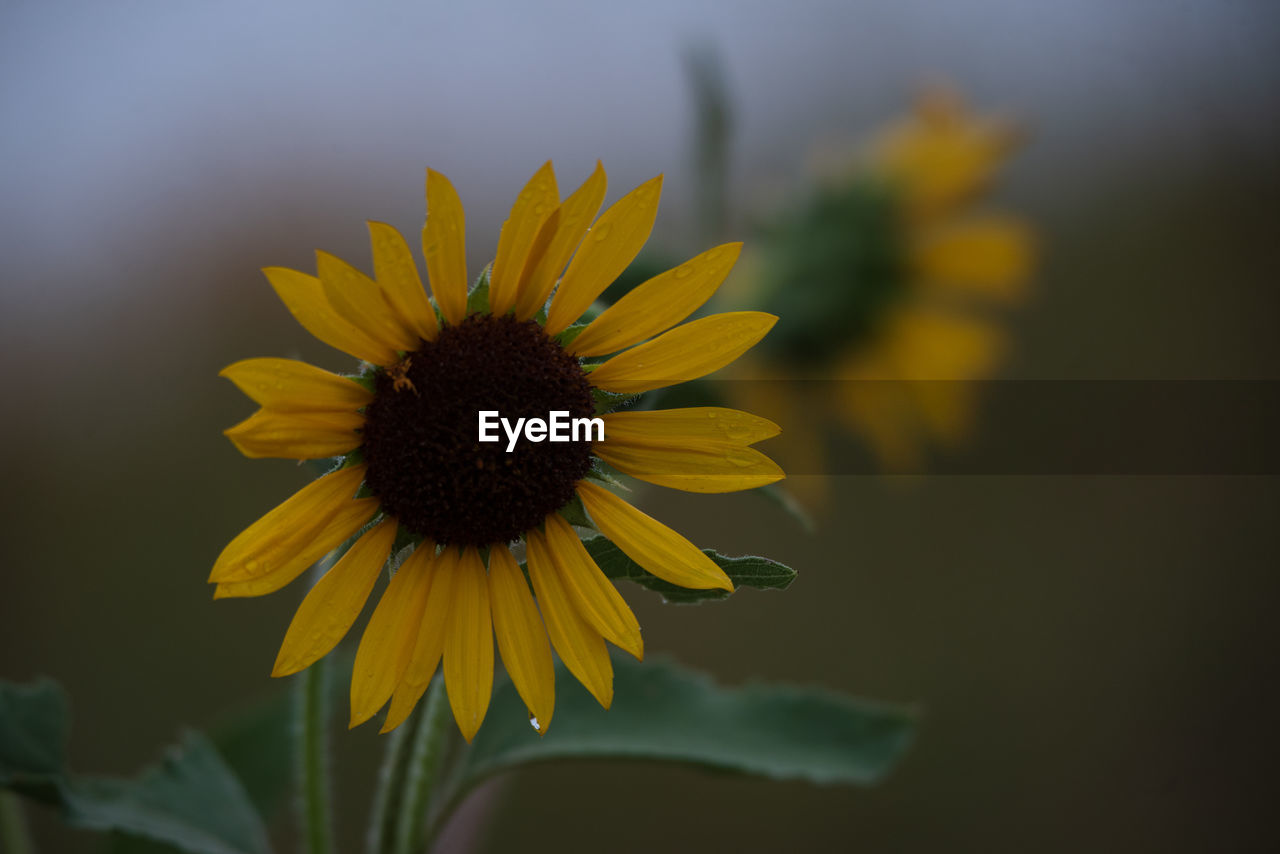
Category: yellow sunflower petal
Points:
column 299, row 519
column 522, row 638
column 296, row 435
column 444, row 245
column 650, row 543
column 716, row 468
column 391, row 635
column 286, row 385
column 333, row 604
column 696, row 425
column 536, row 202
column 574, row 217
column 658, row 304
column 291, row 560
column 598, row 601
column 429, row 644
column 304, row 296
column 397, row 275
column 925, row 344
column 611, row 244
column 468, row 645
column 360, row 300
column 580, row 646
column 989, row 256
column 685, row 353
column 946, row 410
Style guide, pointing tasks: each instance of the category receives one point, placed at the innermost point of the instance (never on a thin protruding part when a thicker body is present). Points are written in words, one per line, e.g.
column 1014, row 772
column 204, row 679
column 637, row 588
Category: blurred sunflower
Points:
column 413, row 475
column 887, row 277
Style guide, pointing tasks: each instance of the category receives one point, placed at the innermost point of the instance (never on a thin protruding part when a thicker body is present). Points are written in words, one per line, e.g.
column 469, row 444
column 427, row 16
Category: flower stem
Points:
column 311, row 730
column 383, row 816
column 430, row 745
column 14, row 835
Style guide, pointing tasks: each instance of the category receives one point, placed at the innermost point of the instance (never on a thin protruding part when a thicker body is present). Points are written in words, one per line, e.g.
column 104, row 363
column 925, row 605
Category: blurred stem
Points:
column 383, row 817
column 311, row 729
column 423, row 773
column 713, row 123
column 14, row 834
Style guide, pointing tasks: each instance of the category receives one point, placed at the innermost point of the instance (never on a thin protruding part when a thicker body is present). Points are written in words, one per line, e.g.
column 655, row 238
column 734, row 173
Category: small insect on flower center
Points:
column 425, row 463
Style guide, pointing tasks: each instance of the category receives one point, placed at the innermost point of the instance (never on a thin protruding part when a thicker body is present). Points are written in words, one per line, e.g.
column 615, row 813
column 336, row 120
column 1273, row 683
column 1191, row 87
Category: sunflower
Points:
column 891, row 277
column 412, row 476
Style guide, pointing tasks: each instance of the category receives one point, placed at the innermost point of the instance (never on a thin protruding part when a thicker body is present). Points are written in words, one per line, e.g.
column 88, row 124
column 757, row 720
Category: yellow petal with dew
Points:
column 429, row 644
column 444, row 245
column 286, row 385
column 685, row 353
column 611, row 244
column 990, row 256
column 658, row 304
column 580, row 646
column 299, row 519
column 360, row 300
column 536, row 202
column 332, row 605
column 296, row 435
column 468, row 645
column 696, row 425
column 575, row 216
column 391, row 635
column 397, row 275
column 522, row 638
column 702, row 468
column 597, row 600
column 292, row 560
column 650, row 543
column 304, row 296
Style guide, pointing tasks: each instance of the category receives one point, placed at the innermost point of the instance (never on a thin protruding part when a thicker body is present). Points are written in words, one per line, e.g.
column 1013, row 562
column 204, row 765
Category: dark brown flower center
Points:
column 425, row 462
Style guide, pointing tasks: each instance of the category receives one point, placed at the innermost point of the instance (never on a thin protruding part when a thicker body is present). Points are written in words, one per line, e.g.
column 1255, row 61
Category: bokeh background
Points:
column 1094, row 653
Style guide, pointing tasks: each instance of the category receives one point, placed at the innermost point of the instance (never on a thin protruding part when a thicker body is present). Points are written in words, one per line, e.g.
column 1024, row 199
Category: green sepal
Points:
column 564, row 338
column 760, row 573
column 605, row 474
column 611, row 401
column 478, row 297
column 366, row 379
column 575, row 514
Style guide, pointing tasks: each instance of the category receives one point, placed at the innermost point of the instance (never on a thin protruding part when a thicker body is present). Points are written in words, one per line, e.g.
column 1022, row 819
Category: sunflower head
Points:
column 889, row 276
column 416, row 474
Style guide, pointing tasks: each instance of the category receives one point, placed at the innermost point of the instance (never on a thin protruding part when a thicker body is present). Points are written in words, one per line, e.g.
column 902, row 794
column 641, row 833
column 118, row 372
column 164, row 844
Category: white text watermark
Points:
column 558, row 427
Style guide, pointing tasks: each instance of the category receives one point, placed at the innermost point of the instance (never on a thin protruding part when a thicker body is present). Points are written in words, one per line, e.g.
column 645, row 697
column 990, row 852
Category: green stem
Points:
column 423, row 772
column 13, row 826
column 311, row 730
column 386, row 796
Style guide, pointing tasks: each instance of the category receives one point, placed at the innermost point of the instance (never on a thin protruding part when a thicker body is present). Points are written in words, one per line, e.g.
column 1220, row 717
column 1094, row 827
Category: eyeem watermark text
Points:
column 558, row 427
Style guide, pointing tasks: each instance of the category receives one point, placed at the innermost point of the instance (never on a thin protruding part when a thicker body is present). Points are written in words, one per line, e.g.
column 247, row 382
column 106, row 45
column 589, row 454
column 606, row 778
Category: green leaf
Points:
column 750, row 571
column 665, row 712
column 191, row 800
column 254, row 743
column 34, row 720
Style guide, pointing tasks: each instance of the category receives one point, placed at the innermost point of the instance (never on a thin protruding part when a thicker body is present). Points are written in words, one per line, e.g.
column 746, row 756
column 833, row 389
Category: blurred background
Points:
column 1093, row 652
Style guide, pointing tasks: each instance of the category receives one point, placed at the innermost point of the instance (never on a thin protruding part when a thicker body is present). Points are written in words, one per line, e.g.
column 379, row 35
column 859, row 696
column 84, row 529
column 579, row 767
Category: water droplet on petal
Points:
column 533, row 722
column 600, row 232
